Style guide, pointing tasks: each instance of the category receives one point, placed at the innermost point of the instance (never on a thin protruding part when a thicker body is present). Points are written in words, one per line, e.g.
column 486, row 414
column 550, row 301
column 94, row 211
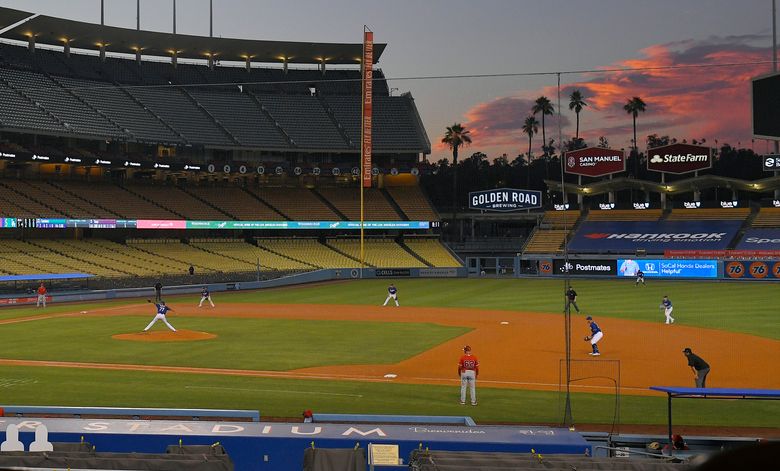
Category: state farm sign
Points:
column 679, row 158
column 595, row 161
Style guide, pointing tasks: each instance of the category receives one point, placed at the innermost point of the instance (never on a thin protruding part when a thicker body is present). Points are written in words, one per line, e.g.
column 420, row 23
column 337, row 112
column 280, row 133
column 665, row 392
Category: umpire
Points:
column 571, row 299
column 158, row 292
column 699, row 367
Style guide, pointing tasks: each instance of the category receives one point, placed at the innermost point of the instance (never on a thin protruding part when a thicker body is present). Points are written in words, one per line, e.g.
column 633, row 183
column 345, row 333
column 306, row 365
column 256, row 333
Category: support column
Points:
column 322, row 65
column 174, row 59
column 611, row 196
column 211, row 61
column 696, row 195
column 102, row 53
column 248, row 64
column 66, row 48
column 663, row 193
column 284, row 65
column 579, row 195
column 31, row 43
column 138, row 56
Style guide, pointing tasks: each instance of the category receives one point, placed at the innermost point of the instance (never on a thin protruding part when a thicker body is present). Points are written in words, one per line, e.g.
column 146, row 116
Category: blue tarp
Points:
column 760, row 239
column 45, row 277
column 718, row 392
column 656, row 236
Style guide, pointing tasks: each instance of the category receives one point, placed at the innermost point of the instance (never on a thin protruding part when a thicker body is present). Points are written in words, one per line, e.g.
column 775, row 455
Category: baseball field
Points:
column 328, row 347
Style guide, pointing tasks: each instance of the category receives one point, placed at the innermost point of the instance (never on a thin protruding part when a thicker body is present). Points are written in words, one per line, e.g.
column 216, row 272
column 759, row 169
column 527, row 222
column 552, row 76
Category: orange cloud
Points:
column 684, row 102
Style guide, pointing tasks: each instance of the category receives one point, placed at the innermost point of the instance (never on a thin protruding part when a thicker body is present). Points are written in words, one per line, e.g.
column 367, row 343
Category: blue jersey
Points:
column 594, row 328
column 392, row 290
column 205, row 293
column 640, row 274
column 666, row 303
column 162, row 309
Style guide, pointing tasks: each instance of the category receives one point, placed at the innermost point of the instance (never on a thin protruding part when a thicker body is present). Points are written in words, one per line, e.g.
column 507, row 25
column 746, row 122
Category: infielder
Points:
column 161, row 310
column 41, row 296
column 640, row 278
column 468, row 370
column 205, row 295
column 392, row 293
column 666, row 306
column 595, row 335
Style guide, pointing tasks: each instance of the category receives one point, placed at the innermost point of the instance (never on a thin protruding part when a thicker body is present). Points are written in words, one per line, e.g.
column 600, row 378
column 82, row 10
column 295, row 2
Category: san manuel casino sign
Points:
column 679, row 158
column 595, row 161
column 505, row 199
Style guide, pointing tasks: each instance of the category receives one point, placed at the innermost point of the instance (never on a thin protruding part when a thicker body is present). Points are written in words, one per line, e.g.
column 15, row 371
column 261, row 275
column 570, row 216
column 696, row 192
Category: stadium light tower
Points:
column 174, row 16
column 138, row 15
column 211, row 18
column 102, row 12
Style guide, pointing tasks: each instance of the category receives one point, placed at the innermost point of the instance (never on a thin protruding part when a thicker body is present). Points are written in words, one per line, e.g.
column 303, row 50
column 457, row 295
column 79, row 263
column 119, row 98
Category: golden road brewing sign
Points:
column 505, row 199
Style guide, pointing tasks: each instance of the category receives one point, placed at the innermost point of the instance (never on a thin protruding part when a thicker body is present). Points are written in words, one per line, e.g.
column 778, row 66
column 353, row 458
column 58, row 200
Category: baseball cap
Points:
column 687, row 350
column 466, row 348
column 588, row 318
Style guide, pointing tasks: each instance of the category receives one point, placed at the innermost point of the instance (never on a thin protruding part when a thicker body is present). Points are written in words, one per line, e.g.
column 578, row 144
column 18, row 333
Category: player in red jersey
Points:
column 468, row 370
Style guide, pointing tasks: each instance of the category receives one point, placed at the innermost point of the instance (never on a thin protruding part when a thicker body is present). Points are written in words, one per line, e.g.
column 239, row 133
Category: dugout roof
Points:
column 82, row 35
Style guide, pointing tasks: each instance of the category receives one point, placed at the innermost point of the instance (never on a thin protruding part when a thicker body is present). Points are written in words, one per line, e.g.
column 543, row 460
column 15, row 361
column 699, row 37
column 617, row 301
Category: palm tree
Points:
column 456, row 136
column 576, row 103
column 530, row 127
column 543, row 105
column 633, row 107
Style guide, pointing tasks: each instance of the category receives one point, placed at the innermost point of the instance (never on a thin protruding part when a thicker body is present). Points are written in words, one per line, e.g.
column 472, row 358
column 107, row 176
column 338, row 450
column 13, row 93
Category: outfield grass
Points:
column 254, row 344
column 739, row 307
column 287, row 398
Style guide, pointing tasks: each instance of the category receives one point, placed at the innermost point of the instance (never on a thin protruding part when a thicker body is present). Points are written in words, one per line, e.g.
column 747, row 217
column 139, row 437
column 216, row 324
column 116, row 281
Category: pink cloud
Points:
column 686, row 103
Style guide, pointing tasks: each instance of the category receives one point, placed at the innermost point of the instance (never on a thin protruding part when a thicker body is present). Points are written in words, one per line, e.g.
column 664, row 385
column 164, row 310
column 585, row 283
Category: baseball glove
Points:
column 661, row 306
column 148, row 300
column 587, row 337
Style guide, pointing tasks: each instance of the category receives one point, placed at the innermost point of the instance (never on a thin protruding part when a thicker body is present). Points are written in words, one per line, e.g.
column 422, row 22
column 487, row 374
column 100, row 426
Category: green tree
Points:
column 577, row 103
column 634, row 106
column 456, row 136
column 530, row 127
column 544, row 106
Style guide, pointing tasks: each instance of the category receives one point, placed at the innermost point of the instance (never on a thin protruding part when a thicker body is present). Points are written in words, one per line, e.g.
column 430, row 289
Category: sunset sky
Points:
column 457, row 37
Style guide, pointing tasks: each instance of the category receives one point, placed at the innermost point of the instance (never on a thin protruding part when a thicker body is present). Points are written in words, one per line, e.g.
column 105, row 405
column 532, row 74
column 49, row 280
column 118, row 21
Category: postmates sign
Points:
column 679, row 158
column 505, row 199
column 595, row 161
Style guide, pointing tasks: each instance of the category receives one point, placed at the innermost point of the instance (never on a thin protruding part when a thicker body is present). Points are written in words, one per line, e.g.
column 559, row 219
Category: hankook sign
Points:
column 595, row 161
column 505, row 199
column 679, row 158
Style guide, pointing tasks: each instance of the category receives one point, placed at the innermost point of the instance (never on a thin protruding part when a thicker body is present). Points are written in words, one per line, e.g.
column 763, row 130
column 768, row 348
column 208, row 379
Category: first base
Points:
column 391, row 375
column 504, row 323
column 83, row 312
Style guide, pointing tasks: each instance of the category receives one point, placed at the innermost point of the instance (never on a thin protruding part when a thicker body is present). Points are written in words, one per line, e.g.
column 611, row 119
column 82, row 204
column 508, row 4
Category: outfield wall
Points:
column 296, row 279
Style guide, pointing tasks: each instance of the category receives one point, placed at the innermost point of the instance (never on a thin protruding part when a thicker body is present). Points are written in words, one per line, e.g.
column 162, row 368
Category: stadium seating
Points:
column 347, row 201
column 125, row 203
column 178, row 201
column 713, row 214
column 238, row 203
column 309, row 251
column 625, row 215
column 546, row 241
column 560, row 219
column 238, row 253
column 298, row 204
column 432, row 251
column 767, row 217
column 14, row 192
column 173, row 252
column 273, row 255
column 383, row 253
column 305, row 121
column 413, row 203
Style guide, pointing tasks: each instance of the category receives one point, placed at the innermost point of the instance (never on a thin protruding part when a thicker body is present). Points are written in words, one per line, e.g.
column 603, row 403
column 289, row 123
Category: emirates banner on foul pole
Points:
column 368, row 88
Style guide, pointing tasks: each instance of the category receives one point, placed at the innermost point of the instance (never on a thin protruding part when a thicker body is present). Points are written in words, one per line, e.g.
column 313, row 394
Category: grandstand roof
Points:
column 51, row 30
column 676, row 187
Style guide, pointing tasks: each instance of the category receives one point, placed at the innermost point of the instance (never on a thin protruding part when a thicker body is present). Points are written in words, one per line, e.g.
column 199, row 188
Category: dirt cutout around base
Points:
column 180, row 335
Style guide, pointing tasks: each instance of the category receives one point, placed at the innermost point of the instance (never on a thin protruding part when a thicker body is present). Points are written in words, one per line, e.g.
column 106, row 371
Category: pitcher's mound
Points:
column 165, row 336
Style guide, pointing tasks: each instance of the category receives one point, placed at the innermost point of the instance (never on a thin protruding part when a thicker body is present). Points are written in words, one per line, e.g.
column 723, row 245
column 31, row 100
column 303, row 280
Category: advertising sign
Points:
column 505, row 199
column 392, row 272
column 765, row 101
column 661, row 268
column 655, row 236
column 760, row 239
column 366, row 144
column 595, row 161
column 585, row 267
column 771, row 163
column 679, row 158
column 752, row 269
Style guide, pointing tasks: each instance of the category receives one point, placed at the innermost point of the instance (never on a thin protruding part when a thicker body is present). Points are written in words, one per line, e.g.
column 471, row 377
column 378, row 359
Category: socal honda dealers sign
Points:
column 595, row 161
column 679, row 158
column 505, row 199
column 622, row 237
